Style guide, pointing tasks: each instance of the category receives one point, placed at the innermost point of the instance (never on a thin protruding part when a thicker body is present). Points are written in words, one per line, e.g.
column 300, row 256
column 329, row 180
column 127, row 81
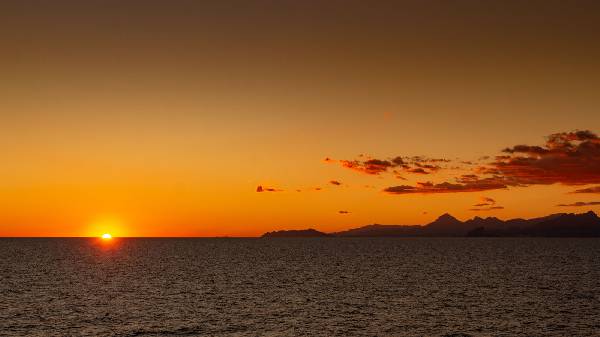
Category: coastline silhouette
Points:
column 554, row 225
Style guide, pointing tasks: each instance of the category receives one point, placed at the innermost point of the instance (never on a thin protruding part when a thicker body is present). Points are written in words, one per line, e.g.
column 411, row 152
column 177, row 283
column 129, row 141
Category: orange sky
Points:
column 162, row 119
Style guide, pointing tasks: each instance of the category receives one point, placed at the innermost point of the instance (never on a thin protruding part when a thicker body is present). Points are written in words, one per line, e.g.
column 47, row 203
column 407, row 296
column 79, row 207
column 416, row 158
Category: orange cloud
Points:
column 569, row 158
column 491, row 208
column 372, row 166
column 595, row 189
column 580, row 204
column 487, row 204
column 267, row 189
column 465, row 183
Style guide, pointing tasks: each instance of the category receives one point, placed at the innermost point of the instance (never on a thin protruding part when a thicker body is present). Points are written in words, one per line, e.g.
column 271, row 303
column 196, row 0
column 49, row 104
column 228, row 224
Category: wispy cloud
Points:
column 491, row 208
column 465, row 183
column 486, row 204
column 580, row 204
column 396, row 165
column 261, row 189
column 595, row 189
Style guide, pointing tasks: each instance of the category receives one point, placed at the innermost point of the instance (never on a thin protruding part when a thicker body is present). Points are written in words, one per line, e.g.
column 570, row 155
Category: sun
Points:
column 106, row 236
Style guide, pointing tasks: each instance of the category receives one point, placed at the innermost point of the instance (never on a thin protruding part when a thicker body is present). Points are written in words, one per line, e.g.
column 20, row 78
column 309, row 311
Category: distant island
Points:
column 304, row 233
column 554, row 225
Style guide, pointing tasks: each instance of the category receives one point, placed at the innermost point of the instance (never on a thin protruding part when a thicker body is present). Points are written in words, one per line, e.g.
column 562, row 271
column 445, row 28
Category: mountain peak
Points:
column 445, row 220
column 446, row 217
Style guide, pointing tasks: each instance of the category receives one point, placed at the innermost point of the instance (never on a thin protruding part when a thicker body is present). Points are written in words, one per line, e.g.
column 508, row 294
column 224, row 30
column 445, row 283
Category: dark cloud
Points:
column 465, row 183
column 580, row 204
column 595, row 189
column 491, row 208
column 485, row 201
column 371, row 166
column 335, row 182
column 486, row 204
column 267, row 189
column 398, row 161
column 417, row 170
column 569, row 158
column 396, row 165
column 423, row 159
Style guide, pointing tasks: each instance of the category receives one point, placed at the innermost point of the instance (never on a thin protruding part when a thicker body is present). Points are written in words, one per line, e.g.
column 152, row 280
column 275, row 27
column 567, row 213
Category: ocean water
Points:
column 300, row 287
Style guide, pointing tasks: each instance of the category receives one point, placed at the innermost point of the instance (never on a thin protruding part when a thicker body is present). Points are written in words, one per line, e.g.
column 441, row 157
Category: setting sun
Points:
column 106, row 236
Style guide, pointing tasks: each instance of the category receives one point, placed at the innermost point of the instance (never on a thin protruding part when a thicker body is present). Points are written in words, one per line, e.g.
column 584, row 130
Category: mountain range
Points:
column 554, row 225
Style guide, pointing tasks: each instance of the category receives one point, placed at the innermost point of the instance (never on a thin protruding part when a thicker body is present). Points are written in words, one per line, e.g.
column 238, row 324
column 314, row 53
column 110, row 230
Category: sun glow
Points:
column 106, row 227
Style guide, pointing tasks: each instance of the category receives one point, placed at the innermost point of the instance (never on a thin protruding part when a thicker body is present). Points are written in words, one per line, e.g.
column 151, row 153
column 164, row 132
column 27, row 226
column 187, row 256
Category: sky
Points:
column 232, row 118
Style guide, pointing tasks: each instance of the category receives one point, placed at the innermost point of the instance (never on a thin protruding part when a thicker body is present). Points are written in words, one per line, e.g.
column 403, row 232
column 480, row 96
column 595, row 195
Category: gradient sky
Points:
column 161, row 118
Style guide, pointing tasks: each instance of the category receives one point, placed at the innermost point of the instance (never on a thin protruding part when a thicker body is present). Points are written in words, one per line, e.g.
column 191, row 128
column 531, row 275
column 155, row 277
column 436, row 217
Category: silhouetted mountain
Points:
column 382, row 230
column 554, row 225
column 446, row 225
column 304, row 233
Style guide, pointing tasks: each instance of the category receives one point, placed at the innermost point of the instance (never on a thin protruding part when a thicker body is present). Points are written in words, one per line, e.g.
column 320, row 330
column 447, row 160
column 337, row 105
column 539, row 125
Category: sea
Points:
column 300, row 287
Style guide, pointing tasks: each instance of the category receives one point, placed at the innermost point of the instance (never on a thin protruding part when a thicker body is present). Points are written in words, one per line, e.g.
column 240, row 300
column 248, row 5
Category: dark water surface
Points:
column 291, row 287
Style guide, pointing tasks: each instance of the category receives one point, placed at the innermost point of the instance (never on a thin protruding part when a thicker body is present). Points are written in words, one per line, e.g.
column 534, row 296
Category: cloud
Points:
column 486, row 204
column 580, row 204
column 267, row 189
column 344, row 212
column 595, row 189
column 335, row 182
column 395, row 165
column 485, row 201
column 417, row 170
column 371, row 166
column 465, row 183
column 491, row 208
column 569, row 158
